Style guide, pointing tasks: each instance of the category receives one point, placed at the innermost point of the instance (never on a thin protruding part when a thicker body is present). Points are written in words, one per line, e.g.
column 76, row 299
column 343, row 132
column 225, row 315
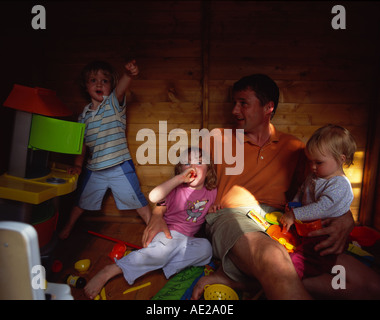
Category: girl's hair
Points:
column 94, row 67
column 211, row 178
column 334, row 139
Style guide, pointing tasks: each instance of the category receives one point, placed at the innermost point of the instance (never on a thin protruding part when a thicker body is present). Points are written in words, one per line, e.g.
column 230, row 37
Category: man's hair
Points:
column 265, row 88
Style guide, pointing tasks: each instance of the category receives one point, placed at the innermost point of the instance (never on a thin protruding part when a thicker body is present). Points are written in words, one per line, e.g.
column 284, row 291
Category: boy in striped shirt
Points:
column 109, row 163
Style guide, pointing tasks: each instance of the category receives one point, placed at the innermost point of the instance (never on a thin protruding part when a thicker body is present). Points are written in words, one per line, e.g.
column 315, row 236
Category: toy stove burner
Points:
column 55, row 180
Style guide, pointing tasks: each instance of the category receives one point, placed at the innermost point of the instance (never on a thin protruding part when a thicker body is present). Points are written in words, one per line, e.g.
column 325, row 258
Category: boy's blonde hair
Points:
column 334, row 139
column 94, row 67
column 211, row 178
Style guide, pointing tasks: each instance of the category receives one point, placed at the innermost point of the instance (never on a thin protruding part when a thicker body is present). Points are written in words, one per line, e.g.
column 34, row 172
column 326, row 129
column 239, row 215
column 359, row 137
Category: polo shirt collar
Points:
column 94, row 112
column 274, row 136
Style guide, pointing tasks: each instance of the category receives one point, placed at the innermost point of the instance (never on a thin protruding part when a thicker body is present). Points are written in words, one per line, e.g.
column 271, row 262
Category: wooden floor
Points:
column 82, row 245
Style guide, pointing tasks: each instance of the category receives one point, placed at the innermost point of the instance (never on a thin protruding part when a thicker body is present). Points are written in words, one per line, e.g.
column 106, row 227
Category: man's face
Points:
column 250, row 115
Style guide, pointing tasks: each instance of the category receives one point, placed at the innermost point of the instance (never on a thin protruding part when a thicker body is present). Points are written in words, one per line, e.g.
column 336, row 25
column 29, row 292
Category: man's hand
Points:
column 155, row 225
column 337, row 229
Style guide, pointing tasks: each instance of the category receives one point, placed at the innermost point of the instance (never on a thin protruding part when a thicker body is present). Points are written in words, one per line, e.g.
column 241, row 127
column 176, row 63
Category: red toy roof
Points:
column 36, row 100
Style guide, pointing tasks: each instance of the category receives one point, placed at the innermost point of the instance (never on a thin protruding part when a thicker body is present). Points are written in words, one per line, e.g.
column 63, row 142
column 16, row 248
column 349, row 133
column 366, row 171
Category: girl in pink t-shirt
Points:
column 187, row 198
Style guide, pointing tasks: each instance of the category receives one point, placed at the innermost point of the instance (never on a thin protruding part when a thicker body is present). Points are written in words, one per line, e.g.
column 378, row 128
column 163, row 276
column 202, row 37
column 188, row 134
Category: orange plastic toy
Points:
column 303, row 228
column 287, row 238
column 36, row 100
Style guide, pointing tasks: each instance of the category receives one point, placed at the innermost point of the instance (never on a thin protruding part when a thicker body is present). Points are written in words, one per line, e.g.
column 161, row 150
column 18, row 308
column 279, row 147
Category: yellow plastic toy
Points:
column 102, row 295
column 219, row 292
column 273, row 217
column 82, row 265
column 137, row 288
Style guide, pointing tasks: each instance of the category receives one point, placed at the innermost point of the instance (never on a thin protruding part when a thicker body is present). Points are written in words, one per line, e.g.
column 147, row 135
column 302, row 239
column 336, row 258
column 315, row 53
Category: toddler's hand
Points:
column 131, row 68
column 188, row 175
column 287, row 219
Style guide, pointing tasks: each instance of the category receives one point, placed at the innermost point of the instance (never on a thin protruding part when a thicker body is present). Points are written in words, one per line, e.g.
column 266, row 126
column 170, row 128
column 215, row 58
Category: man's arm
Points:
column 337, row 229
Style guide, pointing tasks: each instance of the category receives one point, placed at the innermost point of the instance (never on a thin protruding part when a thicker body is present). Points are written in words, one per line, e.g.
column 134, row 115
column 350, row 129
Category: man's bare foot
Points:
column 221, row 278
column 96, row 284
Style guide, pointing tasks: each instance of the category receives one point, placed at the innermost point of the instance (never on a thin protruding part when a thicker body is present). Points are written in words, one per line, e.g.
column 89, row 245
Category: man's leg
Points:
column 260, row 257
column 361, row 282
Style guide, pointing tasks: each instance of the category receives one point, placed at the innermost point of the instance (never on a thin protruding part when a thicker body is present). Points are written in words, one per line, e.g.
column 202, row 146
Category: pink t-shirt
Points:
column 187, row 207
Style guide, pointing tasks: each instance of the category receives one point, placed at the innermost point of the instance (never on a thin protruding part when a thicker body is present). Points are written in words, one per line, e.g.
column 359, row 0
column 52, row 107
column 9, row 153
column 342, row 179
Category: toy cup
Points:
column 303, row 228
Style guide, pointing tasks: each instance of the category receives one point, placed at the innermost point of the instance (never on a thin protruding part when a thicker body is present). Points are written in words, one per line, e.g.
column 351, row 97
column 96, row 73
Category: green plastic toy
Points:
column 56, row 135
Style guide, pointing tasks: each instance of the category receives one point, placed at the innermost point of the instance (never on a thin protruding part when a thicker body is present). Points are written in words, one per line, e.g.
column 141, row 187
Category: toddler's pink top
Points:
column 187, row 207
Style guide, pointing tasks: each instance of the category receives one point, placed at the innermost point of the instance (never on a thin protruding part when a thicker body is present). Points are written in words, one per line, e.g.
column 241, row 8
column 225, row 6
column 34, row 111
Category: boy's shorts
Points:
column 123, row 182
column 224, row 228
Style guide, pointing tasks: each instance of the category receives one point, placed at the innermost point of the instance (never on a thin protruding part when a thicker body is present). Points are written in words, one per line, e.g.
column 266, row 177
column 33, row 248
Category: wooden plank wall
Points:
column 191, row 52
column 165, row 39
column 325, row 75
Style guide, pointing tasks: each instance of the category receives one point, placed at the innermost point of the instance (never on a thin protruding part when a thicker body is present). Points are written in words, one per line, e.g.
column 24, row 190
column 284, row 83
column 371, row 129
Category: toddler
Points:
column 325, row 193
column 187, row 198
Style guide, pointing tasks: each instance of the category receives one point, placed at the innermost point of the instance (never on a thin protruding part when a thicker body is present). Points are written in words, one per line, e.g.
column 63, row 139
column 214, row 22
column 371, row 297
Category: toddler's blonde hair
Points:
column 334, row 139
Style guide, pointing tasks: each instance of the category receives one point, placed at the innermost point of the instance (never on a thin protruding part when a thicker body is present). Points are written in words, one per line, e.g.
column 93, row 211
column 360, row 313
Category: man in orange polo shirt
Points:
column 274, row 165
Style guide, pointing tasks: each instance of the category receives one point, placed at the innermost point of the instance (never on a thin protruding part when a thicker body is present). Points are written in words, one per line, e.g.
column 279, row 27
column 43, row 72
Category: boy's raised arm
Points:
column 131, row 70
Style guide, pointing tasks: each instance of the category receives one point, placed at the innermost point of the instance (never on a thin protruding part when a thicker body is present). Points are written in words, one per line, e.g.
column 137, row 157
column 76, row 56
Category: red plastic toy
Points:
column 365, row 236
column 118, row 251
column 303, row 228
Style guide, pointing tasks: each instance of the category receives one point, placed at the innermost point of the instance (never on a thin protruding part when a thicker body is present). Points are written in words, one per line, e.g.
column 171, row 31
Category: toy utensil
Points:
column 137, row 287
column 102, row 295
column 114, row 240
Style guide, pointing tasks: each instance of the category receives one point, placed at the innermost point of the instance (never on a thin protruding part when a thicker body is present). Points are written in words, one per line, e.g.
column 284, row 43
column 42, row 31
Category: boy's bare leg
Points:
column 96, row 284
column 75, row 213
column 145, row 213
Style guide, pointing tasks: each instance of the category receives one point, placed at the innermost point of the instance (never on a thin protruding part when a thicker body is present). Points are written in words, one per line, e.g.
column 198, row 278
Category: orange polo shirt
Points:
column 269, row 171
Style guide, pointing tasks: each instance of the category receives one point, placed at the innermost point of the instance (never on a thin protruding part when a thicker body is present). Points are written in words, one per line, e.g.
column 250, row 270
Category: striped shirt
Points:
column 105, row 134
